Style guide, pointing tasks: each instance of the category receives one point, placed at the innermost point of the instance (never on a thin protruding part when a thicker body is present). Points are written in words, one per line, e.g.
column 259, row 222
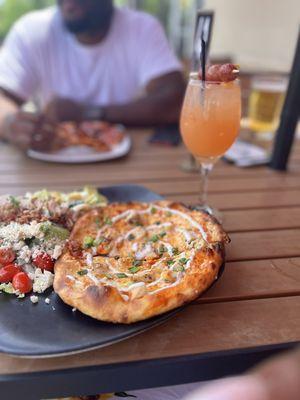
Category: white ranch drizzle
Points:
column 165, row 209
column 155, row 282
column 89, row 259
column 168, row 247
column 137, row 231
column 186, row 217
column 144, row 252
column 133, row 286
column 164, row 225
column 148, row 249
column 167, row 286
column 135, row 247
column 128, row 213
column 187, row 235
column 101, row 232
column 92, row 278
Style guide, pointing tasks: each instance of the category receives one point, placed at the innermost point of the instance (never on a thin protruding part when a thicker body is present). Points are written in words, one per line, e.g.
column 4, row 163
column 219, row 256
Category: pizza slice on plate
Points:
column 129, row 262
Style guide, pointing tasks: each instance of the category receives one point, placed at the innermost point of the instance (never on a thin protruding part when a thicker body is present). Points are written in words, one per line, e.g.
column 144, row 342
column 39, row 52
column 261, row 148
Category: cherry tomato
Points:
column 44, row 261
column 8, row 272
column 7, row 256
column 22, row 282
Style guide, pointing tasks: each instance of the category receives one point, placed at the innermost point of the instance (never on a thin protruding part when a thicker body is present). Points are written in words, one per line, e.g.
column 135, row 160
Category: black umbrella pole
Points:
column 289, row 117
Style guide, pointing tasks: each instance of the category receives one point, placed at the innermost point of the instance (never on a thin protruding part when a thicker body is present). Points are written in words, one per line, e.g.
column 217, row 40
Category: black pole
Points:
column 289, row 117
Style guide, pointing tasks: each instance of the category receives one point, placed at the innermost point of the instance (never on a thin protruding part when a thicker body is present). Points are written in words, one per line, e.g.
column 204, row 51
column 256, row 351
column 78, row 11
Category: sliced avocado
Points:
column 52, row 231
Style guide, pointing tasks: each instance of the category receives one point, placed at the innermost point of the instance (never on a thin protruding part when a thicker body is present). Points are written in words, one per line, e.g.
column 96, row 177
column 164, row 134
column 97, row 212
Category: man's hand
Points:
column 62, row 109
column 276, row 379
column 29, row 130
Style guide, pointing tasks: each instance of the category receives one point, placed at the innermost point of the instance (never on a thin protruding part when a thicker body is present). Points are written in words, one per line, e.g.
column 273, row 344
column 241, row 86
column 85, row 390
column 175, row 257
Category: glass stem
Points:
column 205, row 169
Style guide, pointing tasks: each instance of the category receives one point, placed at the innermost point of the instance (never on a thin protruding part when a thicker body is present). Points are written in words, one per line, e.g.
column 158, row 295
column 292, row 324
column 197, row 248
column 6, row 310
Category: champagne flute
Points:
column 209, row 124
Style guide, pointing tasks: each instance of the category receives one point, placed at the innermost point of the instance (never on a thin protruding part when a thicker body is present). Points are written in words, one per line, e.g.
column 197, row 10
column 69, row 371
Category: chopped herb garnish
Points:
column 133, row 269
column 153, row 210
column 109, row 276
column 107, row 221
column 154, row 238
column 130, row 237
column 101, row 239
column 82, row 272
column 121, row 275
column 170, row 262
column 137, row 263
column 15, row 202
column 183, row 261
column 162, row 249
column 116, row 257
column 179, row 268
column 168, row 214
column 88, row 242
column 162, row 234
column 175, row 251
column 157, row 223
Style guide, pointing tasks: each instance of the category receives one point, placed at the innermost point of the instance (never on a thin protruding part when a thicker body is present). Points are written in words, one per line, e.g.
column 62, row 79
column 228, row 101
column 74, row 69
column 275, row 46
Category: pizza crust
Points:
column 106, row 300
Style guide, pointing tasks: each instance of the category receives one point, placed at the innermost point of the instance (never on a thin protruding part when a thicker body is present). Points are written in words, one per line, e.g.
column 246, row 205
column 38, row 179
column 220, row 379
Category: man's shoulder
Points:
column 36, row 23
column 136, row 18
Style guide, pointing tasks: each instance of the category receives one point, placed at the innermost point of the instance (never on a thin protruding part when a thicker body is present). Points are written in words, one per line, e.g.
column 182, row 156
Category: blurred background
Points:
column 260, row 35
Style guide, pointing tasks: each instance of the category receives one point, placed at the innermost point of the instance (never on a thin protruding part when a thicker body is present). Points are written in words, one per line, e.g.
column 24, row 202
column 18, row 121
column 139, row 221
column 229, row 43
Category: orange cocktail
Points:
column 210, row 121
column 210, row 118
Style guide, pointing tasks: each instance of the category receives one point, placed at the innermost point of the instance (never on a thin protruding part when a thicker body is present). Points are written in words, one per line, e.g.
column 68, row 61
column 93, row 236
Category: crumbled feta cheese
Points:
column 42, row 280
column 18, row 245
column 36, row 251
column 57, row 251
column 74, row 309
column 25, row 254
column 14, row 232
column 53, row 308
column 34, row 299
column 47, row 300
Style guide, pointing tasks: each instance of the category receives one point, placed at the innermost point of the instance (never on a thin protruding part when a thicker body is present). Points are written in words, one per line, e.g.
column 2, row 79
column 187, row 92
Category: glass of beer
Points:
column 265, row 104
column 209, row 124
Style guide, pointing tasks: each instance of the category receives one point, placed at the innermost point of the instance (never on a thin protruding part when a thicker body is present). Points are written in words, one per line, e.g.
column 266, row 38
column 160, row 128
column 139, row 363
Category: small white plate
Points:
column 83, row 154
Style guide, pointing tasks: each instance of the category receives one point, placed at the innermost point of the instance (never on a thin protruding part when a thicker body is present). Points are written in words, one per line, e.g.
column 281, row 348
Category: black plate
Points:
column 42, row 330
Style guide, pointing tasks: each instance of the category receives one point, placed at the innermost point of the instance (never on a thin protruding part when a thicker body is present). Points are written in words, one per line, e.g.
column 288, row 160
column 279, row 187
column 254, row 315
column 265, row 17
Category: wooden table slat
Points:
column 263, row 245
column 255, row 303
column 240, row 201
column 214, row 327
column 243, row 280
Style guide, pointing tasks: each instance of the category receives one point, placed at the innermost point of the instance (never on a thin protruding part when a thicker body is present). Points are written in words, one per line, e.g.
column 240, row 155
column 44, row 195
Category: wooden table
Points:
column 252, row 311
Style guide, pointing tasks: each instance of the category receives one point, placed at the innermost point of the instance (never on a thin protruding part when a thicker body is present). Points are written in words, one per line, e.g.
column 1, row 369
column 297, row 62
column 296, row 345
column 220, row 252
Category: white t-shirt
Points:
column 40, row 57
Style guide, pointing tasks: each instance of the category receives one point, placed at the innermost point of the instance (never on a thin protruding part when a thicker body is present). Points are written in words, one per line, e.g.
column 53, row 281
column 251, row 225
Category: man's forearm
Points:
column 144, row 112
column 161, row 105
column 7, row 108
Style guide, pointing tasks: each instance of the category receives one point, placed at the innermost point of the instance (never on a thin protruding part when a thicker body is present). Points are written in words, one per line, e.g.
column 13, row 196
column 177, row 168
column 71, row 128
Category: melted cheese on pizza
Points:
column 139, row 251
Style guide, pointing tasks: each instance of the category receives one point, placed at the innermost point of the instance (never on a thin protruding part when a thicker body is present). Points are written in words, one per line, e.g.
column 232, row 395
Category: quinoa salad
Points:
column 34, row 229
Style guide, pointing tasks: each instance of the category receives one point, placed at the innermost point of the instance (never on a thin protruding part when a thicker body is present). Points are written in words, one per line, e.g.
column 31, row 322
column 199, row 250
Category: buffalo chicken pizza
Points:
column 98, row 135
column 33, row 231
column 129, row 262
